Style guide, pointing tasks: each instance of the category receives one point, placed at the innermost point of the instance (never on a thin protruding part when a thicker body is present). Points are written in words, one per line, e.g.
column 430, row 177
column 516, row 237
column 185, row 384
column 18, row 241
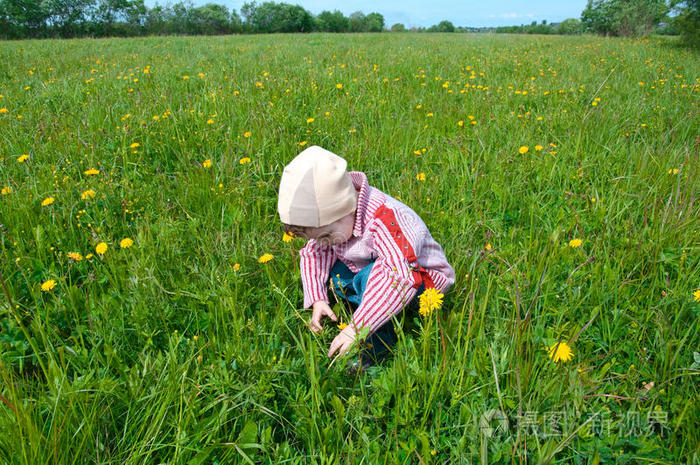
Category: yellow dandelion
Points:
column 126, row 243
column 88, row 194
column 560, row 351
column 488, row 247
column 210, row 121
column 6, row 190
column 288, row 237
column 246, row 134
column 135, row 145
column 429, row 115
column 101, row 248
column 265, row 258
column 236, row 266
column 538, row 147
column 339, row 86
column 310, row 120
column 523, row 150
column 460, row 123
column 91, row 171
column 48, row 285
column 575, row 243
column 22, row 158
column 673, row 171
column 420, row 176
column 88, row 256
column 47, row 201
column 696, row 295
column 206, row 163
column 342, row 326
column 244, row 160
column 75, row 256
column 4, row 110
column 430, row 299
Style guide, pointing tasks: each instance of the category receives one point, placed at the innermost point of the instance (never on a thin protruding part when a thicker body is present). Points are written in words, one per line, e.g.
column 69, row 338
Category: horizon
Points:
column 413, row 13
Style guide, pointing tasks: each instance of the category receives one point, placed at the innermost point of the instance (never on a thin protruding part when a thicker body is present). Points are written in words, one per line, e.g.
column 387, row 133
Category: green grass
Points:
column 165, row 353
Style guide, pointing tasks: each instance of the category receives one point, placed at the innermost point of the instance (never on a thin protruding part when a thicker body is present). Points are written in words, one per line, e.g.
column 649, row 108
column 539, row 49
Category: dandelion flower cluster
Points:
column 75, row 256
column 48, row 285
column 265, row 258
column 575, row 243
column 288, row 237
column 126, row 243
column 47, row 201
column 101, row 248
column 430, row 299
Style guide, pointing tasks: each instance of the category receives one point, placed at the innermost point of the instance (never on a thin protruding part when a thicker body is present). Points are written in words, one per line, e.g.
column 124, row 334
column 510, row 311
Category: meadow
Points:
column 139, row 179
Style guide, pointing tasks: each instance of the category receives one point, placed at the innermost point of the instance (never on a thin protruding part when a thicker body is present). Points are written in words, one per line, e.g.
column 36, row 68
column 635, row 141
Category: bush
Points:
column 570, row 26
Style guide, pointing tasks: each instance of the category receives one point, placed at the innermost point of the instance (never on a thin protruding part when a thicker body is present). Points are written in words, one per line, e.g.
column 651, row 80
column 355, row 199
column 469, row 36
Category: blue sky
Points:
column 421, row 13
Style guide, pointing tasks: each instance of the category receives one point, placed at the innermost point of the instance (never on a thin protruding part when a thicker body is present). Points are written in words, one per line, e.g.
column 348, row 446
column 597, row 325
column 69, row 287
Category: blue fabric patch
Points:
column 347, row 284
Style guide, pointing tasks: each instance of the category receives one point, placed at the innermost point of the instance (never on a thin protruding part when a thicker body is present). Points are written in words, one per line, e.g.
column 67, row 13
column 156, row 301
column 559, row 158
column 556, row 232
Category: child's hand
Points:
column 343, row 341
column 320, row 309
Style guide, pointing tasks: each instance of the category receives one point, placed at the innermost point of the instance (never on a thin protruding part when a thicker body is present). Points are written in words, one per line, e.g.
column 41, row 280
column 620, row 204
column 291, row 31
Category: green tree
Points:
column 27, row 18
column 333, row 22
column 67, row 18
column 398, row 27
column 687, row 20
column 623, row 17
column 570, row 26
column 211, row 19
column 357, row 22
column 277, row 17
column 156, row 21
column 374, row 22
column 445, row 26
column 235, row 21
column 107, row 15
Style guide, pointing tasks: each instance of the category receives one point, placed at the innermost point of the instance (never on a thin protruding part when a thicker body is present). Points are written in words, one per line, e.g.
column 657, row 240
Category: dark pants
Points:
column 348, row 286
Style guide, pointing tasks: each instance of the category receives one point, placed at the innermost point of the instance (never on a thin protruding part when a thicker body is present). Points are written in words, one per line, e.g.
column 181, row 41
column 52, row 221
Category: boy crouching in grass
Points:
column 377, row 252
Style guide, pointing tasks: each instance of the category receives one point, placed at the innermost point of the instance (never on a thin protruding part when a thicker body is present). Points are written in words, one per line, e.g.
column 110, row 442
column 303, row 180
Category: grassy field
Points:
column 560, row 175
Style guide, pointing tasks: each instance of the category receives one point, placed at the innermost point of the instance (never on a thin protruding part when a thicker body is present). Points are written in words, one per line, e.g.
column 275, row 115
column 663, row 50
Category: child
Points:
column 377, row 252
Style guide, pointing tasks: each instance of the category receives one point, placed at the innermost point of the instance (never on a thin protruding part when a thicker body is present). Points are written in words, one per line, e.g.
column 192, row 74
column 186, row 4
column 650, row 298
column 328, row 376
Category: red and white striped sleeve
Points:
column 315, row 264
column 389, row 285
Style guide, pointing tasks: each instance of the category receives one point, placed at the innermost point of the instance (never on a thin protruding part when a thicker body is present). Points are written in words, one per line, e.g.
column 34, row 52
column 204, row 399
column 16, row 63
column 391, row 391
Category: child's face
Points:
column 332, row 234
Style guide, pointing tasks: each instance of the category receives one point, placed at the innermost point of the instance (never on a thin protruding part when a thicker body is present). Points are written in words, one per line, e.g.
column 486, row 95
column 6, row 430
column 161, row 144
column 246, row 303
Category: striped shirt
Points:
column 390, row 283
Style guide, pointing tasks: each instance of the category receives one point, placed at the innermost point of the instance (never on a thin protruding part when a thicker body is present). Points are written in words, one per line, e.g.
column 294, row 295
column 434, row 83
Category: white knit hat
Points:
column 315, row 189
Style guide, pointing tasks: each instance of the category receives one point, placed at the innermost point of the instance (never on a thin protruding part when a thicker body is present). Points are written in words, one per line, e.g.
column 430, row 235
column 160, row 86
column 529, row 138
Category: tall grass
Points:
column 184, row 349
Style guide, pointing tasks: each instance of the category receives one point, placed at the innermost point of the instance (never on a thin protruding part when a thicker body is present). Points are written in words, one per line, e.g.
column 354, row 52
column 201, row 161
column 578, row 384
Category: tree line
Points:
column 626, row 18
column 102, row 18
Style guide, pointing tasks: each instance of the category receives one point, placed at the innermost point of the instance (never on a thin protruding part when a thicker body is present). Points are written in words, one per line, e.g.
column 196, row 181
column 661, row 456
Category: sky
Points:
column 474, row 13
